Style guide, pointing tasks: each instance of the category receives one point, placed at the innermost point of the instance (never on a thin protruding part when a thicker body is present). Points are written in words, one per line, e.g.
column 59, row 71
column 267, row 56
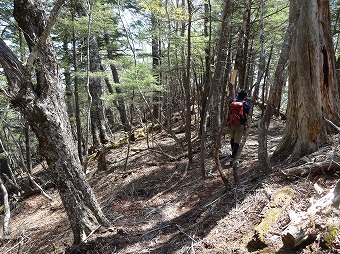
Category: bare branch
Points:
column 335, row 126
column 43, row 38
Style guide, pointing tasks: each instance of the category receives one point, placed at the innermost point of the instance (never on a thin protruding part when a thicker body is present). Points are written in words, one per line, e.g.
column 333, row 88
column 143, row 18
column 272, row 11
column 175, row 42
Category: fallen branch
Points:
column 164, row 153
column 305, row 169
column 302, row 225
column 39, row 188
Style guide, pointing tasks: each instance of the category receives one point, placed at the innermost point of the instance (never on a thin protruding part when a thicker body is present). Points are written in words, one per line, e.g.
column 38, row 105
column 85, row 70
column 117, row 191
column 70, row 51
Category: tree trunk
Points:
column 120, row 104
column 28, row 147
column 156, row 63
column 313, row 92
column 276, row 89
column 270, row 214
column 97, row 116
column 186, row 85
column 44, row 107
column 7, row 211
column 242, row 46
column 310, row 168
column 262, row 60
column 218, row 78
column 98, row 130
column 76, row 97
column 69, row 96
column 5, row 168
column 204, row 91
column 243, row 68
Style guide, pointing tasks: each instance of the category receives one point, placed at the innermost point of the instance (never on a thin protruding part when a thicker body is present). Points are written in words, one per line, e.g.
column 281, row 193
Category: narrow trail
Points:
column 162, row 206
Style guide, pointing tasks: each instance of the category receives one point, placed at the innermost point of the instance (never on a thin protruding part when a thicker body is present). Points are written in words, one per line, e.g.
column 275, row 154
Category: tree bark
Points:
column 76, row 97
column 313, row 92
column 69, row 96
column 273, row 103
column 7, row 211
column 301, row 226
column 204, row 91
column 120, row 104
column 242, row 46
column 187, row 86
column 156, row 64
column 214, row 96
column 28, row 147
column 271, row 214
column 98, row 130
column 95, row 87
column 307, row 169
column 262, row 60
column 44, row 107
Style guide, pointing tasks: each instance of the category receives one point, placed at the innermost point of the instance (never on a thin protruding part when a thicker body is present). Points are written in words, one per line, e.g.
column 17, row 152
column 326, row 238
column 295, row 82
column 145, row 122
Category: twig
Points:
column 92, row 232
column 18, row 244
column 38, row 186
column 153, row 230
column 118, row 217
column 330, row 122
column 192, row 247
column 180, row 229
column 163, row 153
column 169, row 131
column 215, row 200
column 171, row 187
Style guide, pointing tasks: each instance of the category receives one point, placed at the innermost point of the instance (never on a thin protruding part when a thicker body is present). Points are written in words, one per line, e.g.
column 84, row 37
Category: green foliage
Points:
column 140, row 77
column 332, row 232
column 164, row 11
column 136, row 81
column 129, row 27
column 335, row 25
column 103, row 18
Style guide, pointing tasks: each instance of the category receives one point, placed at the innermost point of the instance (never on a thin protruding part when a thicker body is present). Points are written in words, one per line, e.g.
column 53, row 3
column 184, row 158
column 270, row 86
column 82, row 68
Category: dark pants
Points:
column 236, row 133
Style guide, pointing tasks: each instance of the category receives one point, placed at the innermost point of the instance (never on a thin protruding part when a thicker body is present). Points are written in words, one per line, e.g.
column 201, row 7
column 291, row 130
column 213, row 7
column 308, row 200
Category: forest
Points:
column 116, row 138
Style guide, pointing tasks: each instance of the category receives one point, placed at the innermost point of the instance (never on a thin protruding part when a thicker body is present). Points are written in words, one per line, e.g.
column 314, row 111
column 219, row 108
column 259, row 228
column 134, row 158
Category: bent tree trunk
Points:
column 44, row 107
column 273, row 102
column 313, row 92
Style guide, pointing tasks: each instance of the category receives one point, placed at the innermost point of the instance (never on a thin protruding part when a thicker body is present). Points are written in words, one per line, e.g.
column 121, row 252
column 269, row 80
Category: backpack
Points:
column 236, row 115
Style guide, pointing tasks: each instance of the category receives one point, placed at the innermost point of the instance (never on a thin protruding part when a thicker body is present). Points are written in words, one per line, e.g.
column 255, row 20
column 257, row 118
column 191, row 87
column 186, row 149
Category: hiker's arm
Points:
column 246, row 108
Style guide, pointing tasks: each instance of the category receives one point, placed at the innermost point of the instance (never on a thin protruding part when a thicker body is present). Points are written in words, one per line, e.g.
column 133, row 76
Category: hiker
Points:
column 237, row 120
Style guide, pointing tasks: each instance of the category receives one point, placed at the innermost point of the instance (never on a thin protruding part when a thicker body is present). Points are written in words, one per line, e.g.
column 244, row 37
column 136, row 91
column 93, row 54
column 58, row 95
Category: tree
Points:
column 44, row 108
column 94, row 81
column 186, row 83
column 215, row 89
column 242, row 45
column 156, row 61
column 119, row 103
column 313, row 92
column 274, row 99
column 99, row 135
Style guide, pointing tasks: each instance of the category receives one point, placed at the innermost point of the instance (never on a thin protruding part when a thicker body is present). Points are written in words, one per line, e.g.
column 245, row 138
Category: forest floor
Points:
column 160, row 205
